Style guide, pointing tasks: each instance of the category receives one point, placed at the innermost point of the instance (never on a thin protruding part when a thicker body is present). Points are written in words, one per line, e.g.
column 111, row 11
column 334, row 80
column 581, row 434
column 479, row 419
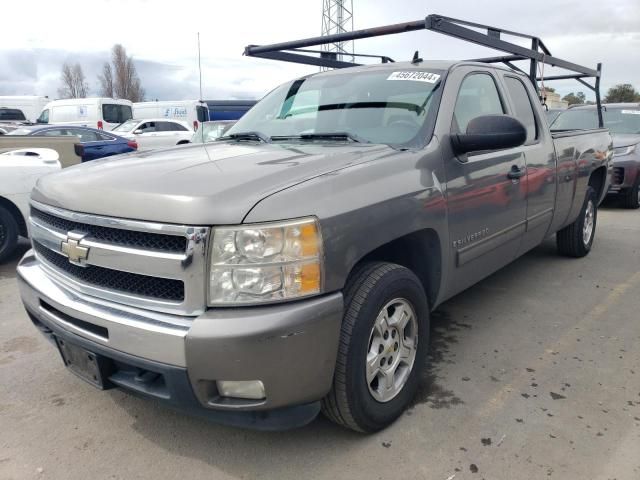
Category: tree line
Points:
column 119, row 78
column 621, row 93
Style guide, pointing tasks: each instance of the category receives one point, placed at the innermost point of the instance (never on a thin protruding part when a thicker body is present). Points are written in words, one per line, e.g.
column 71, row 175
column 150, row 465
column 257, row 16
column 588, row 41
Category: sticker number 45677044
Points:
column 415, row 76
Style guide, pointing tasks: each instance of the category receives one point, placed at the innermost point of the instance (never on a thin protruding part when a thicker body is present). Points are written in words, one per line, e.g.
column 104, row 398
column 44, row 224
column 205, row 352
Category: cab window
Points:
column 478, row 96
column 523, row 108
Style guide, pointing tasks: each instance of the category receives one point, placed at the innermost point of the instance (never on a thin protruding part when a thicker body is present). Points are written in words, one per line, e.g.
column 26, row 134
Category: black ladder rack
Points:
column 297, row 51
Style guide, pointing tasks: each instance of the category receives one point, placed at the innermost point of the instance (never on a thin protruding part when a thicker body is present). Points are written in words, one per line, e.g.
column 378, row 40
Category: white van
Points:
column 194, row 112
column 100, row 113
column 29, row 105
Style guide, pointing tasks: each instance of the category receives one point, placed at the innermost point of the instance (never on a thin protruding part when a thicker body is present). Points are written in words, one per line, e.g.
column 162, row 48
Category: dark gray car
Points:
column 623, row 121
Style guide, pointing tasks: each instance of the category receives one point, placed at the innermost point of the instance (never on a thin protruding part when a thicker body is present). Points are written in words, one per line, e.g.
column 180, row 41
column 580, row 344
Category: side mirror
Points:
column 137, row 132
column 490, row 132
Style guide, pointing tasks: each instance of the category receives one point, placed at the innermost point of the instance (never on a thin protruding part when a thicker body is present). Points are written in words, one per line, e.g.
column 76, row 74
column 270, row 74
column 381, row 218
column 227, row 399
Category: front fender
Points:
column 365, row 206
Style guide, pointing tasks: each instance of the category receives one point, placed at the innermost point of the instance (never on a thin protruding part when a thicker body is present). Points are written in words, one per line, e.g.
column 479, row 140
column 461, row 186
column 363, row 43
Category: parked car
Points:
column 100, row 113
column 291, row 266
column 193, row 112
column 19, row 171
column 155, row 132
column 93, row 144
column 29, row 105
column 623, row 121
column 211, row 131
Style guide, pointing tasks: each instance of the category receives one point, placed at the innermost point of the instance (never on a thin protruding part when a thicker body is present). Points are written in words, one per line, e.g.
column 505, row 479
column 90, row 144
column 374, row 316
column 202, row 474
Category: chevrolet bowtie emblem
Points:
column 71, row 248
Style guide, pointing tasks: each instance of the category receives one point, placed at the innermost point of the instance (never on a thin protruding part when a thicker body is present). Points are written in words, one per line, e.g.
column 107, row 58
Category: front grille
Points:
column 618, row 176
column 116, row 236
column 124, row 282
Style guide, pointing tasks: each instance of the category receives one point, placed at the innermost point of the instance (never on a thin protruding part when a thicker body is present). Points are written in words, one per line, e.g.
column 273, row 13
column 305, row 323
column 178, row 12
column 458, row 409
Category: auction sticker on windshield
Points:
column 427, row 77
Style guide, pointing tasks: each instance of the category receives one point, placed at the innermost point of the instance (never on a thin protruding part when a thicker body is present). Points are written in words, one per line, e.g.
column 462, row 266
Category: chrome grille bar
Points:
column 188, row 266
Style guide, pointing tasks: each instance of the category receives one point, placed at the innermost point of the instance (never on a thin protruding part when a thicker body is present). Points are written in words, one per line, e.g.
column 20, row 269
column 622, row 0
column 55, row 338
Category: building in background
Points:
column 553, row 99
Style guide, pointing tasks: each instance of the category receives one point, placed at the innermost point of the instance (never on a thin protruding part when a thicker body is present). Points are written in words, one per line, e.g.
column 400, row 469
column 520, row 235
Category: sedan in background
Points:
column 211, row 131
column 155, row 132
column 93, row 144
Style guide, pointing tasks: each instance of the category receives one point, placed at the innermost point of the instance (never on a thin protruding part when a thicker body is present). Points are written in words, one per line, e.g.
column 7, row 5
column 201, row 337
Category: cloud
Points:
column 163, row 41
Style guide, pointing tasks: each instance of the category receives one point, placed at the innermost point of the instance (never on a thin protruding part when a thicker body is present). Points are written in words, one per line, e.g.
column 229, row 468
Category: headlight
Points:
column 265, row 263
column 620, row 151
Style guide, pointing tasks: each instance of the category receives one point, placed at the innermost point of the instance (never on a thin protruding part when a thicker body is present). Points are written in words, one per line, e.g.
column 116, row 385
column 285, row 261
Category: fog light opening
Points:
column 245, row 389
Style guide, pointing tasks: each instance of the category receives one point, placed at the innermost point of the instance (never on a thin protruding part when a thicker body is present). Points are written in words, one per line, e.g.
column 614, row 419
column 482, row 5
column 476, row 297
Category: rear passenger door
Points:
column 539, row 156
column 170, row 133
column 486, row 207
column 93, row 146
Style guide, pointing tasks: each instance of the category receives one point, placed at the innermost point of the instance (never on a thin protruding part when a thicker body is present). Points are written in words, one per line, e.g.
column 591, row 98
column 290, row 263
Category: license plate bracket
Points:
column 87, row 365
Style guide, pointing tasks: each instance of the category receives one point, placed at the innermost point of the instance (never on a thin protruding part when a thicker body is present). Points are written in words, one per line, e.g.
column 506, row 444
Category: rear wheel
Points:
column 576, row 240
column 8, row 234
column 383, row 347
column 632, row 196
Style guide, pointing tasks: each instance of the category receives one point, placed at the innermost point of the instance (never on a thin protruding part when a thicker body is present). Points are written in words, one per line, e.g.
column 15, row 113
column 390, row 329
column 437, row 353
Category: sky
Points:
column 40, row 35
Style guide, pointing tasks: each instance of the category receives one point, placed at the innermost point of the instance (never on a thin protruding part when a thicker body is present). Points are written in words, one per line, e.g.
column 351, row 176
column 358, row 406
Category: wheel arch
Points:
column 597, row 181
column 420, row 252
column 13, row 209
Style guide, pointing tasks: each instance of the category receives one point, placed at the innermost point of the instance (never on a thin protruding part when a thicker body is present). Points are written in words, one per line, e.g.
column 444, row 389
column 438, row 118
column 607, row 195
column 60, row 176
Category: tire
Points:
column 631, row 199
column 573, row 240
column 351, row 401
column 8, row 234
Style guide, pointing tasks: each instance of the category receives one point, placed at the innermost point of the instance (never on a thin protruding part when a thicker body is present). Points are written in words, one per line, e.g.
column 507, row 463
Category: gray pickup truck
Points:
column 292, row 265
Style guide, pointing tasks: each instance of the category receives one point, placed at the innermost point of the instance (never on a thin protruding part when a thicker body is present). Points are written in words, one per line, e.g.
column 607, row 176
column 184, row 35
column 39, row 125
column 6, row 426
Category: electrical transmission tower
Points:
column 337, row 17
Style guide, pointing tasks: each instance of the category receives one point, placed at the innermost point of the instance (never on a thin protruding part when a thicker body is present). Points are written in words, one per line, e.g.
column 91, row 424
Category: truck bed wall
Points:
column 579, row 154
column 63, row 145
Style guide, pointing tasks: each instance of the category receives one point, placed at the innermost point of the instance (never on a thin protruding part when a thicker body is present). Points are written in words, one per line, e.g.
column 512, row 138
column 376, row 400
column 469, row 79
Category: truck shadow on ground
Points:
column 227, row 448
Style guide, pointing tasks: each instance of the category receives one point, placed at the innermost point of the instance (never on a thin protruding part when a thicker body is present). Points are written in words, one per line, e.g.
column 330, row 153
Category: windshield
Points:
column 389, row 107
column 210, row 131
column 618, row 120
column 126, row 126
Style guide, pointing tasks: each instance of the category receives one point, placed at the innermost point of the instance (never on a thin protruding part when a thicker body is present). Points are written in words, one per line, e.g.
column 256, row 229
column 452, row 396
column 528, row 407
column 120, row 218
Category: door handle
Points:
column 516, row 172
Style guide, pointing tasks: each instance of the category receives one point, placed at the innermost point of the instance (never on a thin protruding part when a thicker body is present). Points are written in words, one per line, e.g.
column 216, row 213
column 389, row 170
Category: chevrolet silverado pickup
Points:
column 291, row 266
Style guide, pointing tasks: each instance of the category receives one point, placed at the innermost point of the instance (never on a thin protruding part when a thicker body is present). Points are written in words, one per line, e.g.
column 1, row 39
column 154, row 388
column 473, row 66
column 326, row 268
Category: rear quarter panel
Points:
column 579, row 154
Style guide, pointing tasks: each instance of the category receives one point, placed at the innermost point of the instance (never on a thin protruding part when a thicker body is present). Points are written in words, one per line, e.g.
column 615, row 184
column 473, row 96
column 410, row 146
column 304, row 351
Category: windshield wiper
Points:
column 247, row 136
column 324, row 136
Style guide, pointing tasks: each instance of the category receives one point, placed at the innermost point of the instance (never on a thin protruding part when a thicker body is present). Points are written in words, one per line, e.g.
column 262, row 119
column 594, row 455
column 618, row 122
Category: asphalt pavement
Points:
column 535, row 374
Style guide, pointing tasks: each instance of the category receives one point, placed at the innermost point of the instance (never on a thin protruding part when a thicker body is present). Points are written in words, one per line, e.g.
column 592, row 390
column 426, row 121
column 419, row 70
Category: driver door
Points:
column 487, row 206
column 146, row 139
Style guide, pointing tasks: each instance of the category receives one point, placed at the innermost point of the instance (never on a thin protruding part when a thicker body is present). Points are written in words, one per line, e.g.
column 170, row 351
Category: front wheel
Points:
column 383, row 347
column 8, row 234
column 576, row 240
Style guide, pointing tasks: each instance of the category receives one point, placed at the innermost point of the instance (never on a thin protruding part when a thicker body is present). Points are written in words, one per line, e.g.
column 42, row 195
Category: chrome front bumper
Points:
column 290, row 347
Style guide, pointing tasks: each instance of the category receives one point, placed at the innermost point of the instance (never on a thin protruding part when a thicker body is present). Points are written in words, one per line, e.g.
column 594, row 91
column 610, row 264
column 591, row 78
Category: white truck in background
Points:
column 29, row 105
column 194, row 112
column 98, row 112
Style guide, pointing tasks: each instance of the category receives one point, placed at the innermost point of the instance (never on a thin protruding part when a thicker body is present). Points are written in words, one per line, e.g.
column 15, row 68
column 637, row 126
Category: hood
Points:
column 624, row 139
column 212, row 184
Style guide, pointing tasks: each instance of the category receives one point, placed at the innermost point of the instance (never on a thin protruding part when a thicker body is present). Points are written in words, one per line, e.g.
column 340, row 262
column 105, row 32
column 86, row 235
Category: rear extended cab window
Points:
column 521, row 102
